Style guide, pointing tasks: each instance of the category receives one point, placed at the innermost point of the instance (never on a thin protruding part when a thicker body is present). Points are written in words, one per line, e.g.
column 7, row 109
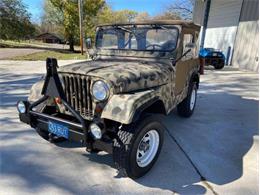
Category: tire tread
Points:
column 125, row 141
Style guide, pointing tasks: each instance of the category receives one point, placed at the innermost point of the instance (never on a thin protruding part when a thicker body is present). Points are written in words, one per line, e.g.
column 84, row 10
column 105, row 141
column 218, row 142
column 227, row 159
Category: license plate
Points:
column 215, row 54
column 58, row 129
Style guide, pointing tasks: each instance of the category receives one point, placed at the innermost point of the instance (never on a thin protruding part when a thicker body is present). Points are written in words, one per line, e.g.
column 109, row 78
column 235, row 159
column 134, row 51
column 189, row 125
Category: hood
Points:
column 124, row 76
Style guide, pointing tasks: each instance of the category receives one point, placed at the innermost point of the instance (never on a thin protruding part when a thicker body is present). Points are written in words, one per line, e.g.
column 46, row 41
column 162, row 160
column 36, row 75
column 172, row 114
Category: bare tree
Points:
column 167, row 15
column 182, row 8
column 142, row 16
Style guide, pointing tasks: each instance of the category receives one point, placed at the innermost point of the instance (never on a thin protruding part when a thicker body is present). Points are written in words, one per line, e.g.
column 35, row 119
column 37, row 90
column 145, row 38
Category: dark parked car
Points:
column 213, row 57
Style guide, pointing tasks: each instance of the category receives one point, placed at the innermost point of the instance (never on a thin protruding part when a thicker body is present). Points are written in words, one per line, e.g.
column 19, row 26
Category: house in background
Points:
column 48, row 38
column 231, row 26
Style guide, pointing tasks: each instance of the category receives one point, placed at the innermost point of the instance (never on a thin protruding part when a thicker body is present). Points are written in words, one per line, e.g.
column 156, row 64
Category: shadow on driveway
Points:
column 216, row 138
column 11, row 86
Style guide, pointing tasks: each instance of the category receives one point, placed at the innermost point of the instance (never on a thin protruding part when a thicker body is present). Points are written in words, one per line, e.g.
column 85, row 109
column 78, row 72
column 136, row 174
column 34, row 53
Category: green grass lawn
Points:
column 52, row 54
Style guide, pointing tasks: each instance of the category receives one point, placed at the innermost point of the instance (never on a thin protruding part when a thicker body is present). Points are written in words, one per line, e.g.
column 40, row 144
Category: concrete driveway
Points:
column 218, row 143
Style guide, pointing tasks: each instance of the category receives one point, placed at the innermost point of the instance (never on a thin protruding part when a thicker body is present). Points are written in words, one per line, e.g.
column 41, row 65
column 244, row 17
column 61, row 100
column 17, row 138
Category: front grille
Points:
column 77, row 91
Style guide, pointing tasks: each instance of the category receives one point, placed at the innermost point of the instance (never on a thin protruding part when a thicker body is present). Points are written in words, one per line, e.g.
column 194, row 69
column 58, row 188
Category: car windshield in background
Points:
column 157, row 38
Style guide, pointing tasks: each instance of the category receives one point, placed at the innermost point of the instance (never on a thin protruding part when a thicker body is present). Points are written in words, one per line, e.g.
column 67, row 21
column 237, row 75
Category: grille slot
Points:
column 77, row 92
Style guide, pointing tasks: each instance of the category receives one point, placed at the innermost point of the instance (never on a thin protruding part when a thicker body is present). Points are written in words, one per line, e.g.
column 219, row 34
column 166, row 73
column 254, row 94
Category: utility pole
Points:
column 80, row 25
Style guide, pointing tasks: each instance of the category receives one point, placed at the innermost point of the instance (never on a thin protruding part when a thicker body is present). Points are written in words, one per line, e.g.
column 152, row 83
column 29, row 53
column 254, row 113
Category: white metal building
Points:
column 231, row 26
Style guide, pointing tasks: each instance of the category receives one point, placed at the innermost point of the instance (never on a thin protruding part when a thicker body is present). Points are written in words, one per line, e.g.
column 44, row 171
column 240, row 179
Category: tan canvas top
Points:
column 187, row 24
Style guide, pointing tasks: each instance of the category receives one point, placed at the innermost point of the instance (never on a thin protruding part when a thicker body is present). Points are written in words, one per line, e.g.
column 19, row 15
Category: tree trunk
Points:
column 71, row 43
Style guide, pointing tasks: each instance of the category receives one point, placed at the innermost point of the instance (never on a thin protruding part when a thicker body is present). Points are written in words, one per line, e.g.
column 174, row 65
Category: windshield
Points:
column 149, row 38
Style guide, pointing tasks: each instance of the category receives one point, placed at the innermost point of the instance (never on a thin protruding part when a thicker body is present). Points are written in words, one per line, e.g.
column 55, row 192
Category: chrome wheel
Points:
column 192, row 99
column 147, row 148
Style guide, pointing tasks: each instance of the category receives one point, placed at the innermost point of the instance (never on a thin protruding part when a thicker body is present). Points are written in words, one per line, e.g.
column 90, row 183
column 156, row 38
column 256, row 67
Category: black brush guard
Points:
column 53, row 88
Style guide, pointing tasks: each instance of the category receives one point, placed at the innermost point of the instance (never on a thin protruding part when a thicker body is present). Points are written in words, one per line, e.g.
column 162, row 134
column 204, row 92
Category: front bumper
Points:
column 41, row 120
column 77, row 132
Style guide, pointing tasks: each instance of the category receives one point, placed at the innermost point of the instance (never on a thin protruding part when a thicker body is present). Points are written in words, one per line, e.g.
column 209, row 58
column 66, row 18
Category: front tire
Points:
column 187, row 106
column 138, row 146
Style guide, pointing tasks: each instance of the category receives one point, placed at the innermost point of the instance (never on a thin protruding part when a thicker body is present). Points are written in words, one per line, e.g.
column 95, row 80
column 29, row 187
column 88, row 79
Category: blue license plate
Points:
column 58, row 129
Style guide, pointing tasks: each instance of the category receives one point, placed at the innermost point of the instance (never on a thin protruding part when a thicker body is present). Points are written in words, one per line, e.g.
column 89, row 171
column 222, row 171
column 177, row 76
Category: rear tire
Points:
column 137, row 147
column 187, row 106
column 219, row 66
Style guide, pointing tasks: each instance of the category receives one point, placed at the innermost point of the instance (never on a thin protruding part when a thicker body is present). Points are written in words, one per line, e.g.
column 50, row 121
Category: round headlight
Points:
column 100, row 90
column 95, row 131
column 21, row 107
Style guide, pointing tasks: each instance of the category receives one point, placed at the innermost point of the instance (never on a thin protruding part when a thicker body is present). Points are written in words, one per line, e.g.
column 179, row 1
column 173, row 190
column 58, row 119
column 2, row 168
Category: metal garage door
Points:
column 222, row 25
column 246, row 46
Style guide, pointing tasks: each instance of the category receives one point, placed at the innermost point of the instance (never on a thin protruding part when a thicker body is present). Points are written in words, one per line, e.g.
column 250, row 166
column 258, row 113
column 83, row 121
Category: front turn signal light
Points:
column 57, row 100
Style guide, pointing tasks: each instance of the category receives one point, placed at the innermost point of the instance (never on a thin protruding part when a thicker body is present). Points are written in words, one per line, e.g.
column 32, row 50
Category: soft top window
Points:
column 140, row 38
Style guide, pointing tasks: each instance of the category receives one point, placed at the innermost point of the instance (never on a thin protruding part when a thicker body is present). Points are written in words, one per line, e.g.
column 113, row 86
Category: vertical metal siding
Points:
column 222, row 25
column 232, row 23
column 224, row 13
column 250, row 10
column 246, row 46
column 198, row 12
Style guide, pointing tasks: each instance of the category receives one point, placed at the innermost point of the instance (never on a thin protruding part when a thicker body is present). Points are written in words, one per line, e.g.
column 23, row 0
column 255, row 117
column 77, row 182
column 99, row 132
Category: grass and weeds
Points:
column 20, row 44
column 52, row 54
column 33, row 44
column 58, row 51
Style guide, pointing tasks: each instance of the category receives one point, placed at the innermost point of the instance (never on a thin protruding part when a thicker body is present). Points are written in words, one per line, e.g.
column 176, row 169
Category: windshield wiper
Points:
column 129, row 31
column 162, row 27
column 124, row 29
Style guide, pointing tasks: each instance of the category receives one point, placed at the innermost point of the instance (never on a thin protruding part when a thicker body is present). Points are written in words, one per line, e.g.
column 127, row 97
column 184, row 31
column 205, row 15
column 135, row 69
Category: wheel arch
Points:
column 154, row 106
column 195, row 78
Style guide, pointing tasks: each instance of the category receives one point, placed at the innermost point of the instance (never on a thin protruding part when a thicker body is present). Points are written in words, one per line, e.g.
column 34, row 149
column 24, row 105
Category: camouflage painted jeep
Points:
column 110, row 103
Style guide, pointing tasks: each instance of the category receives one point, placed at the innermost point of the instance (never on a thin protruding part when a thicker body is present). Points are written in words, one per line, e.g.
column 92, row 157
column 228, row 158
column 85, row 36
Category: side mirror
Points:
column 190, row 46
column 88, row 43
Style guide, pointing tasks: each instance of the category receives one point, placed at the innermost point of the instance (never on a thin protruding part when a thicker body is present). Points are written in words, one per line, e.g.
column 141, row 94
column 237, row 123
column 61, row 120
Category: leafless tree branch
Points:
column 183, row 8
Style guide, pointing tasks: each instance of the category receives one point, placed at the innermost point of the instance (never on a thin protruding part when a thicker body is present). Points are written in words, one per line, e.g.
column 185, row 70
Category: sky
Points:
column 35, row 7
column 153, row 7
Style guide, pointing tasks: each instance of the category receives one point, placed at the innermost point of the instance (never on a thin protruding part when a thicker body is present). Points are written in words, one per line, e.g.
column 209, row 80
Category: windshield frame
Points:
column 146, row 26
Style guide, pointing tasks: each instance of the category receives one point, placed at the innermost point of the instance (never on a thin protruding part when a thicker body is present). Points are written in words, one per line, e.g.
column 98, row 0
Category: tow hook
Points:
column 54, row 138
column 51, row 137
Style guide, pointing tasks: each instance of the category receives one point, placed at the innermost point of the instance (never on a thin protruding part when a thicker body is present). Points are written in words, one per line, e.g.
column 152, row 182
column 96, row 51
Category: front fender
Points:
column 122, row 107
